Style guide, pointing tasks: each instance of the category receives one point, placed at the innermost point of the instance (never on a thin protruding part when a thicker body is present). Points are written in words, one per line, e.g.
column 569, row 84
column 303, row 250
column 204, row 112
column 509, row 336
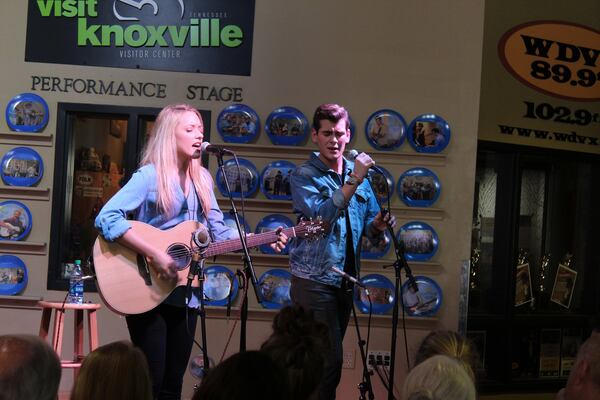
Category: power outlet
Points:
column 349, row 359
column 379, row 359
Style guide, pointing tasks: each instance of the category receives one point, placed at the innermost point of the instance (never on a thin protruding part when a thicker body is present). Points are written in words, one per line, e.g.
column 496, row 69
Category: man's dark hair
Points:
column 330, row 112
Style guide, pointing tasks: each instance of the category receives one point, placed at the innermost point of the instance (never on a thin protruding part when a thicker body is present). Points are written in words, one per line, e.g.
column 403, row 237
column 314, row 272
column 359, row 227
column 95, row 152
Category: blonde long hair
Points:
column 161, row 151
column 452, row 344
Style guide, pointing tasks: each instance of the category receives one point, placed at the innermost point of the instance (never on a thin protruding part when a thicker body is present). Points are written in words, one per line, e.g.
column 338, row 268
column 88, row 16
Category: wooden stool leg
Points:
column 45, row 323
column 93, row 327
column 78, row 336
column 57, row 337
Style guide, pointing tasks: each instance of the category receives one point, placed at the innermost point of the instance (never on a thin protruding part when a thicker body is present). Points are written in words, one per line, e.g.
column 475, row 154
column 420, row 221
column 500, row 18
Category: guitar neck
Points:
column 227, row 246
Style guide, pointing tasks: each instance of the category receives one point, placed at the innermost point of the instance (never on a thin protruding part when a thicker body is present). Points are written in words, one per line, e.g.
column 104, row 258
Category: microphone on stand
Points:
column 352, row 154
column 206, row 147
column 348, row 277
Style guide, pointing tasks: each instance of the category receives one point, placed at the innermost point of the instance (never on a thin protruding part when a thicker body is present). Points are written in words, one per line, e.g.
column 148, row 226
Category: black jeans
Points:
column 162, row 335
column 332, row 306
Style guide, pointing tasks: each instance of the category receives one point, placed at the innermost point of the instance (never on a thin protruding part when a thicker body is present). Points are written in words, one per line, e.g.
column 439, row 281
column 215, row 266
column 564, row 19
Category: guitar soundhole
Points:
column 180, row 253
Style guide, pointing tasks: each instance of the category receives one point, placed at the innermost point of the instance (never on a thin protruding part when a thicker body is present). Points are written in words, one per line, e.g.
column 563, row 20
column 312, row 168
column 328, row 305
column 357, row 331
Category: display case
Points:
column 534, row 266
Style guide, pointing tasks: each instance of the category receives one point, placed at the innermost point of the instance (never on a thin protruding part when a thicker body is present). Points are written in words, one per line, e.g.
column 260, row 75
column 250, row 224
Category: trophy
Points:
column 474, row 294
column 475, row 257
column 543, row 273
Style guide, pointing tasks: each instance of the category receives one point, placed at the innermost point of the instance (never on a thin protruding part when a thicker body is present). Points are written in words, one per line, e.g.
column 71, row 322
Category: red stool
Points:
column 58, row 329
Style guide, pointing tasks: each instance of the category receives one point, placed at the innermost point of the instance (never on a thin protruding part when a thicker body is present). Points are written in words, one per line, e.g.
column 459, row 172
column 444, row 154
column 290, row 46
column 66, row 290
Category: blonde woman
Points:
column 451, row 344
column 170, row 187
column 439, row 378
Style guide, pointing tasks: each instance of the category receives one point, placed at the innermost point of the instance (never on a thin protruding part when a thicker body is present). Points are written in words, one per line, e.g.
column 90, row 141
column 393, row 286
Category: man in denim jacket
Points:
column 330, row 187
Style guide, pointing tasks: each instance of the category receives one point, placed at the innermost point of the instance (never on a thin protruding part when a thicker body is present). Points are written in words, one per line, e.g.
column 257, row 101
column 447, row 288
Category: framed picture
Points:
column 287, row 126
column 274, row 288
column 420, row 240
column 242, row 181
column 564, row 283
column 22, row 166
column 238, row 123
column 523, row 285
column 425, row 301
column 15, row 220
column 13, row 275
column 275, row 180
column 380, row 290
column 429, row 133
column 27, row 112
column 419, row 187
column 385, row 129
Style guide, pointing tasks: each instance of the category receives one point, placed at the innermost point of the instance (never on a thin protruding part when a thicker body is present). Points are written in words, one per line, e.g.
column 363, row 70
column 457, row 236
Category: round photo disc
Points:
column 369, row 251
column 378, row 182
column 419, row 187
column 13, row 275
column 238, row 123
column 22, row 166
column 424, row 302
column 230, row 222
column 220, row 286
column 275, row 180
column 287, row 126
column 385, row 130
column 420, row 240
column 270, row 223
column 26, row 112
column 248, row 184
column 380, row 290
column 429, row 133
column 15, row 220
column 274, row 288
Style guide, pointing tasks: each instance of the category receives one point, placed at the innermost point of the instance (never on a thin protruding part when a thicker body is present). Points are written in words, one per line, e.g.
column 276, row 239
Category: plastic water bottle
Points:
column 76, row 285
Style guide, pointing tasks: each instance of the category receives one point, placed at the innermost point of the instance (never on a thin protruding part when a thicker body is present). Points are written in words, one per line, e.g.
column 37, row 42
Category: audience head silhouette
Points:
column 451, row 344
column 29, row 368
column 245, row 375
column 116, row 371
column 584, row 379
column 297, row 346
column 439, row 378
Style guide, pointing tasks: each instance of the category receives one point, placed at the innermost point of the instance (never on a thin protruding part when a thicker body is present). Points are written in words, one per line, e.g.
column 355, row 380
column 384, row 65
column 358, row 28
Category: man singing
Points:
column 332, row 188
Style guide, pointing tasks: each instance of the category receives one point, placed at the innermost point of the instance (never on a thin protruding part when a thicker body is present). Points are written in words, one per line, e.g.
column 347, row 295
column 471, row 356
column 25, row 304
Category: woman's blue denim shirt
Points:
column 317, row 192
column 138, row 198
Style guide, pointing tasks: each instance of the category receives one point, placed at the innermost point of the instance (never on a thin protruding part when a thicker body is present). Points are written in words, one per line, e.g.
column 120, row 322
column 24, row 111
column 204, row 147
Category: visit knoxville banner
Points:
column 541, row 85
column 210, row 36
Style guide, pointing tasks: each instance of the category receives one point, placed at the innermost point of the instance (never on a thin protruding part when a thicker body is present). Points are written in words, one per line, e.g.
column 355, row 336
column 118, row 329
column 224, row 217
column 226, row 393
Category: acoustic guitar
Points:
column 127, row 282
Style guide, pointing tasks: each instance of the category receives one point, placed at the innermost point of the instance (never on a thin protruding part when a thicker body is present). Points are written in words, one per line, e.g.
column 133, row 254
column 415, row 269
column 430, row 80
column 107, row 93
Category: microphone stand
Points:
column 398, row 265
column 365, row 386
column 248, row 267
column 196, row 268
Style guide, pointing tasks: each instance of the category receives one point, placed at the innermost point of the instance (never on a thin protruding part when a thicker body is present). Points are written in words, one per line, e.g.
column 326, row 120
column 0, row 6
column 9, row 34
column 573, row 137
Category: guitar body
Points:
column 127, row 282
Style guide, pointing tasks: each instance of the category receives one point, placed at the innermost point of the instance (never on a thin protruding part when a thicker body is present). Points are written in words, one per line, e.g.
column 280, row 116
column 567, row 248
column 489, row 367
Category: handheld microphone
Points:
column 352, row 154
column 214, row 149
column 349, row 277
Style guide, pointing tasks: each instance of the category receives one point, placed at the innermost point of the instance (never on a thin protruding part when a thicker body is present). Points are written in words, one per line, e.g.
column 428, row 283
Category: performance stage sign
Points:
column 541, row 77
column 209, row 36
